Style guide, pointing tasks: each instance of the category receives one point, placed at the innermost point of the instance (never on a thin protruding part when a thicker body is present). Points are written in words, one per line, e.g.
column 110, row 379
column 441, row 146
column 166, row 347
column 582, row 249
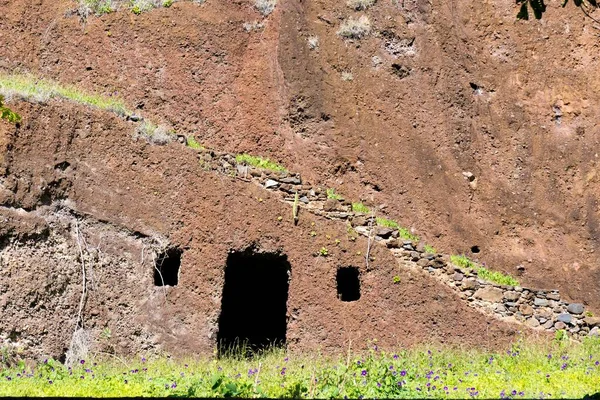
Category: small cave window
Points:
column 254, row 303
column 348, row 283
column 166, row 268
column 475, row 249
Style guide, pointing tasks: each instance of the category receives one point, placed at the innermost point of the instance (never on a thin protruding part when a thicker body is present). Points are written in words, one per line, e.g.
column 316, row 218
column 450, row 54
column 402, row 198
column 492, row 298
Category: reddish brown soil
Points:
column 113, row 182
column 403, row 142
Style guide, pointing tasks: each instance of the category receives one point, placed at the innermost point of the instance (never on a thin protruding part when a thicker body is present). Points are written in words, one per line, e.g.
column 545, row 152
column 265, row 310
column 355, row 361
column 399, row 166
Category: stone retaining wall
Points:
column 538, row 309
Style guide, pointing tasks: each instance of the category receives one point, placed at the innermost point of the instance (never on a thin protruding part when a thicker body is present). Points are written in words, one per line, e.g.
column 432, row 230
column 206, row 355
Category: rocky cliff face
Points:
column 477, row 130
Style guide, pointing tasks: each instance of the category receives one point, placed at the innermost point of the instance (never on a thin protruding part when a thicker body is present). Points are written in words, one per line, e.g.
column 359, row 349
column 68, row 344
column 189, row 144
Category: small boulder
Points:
column 592, row 321
column 540, row 302
column 560, row 325
column 458, row 277
column 594, row 332
column 575, row 308
column 512, row 296
column 566, row 318
column 526, row 309
column 553, row 296
column 469, row 284
column 271, row 184
column 489, row 293
column 383, row 231
column 532, row 322
column 330, row 205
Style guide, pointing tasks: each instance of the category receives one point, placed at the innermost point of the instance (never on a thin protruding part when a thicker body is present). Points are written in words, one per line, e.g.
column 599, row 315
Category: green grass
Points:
column 482, row 272
column 495, row 276
column 388, row 223
column 331, row 194
column 258, row 162
column 404, row 233
column 193, row 143
column 551, row 370
column 30, row 88
column 429, row 249
column 360, row 207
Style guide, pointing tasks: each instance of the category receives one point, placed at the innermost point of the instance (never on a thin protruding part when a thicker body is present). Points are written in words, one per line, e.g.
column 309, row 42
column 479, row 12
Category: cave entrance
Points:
column 166, row 267
column 348, row 283
column 254, row 303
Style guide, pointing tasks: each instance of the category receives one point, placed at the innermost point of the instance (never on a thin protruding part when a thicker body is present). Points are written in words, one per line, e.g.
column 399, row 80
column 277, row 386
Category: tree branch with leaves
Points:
column 539, row 7
column 7, row 114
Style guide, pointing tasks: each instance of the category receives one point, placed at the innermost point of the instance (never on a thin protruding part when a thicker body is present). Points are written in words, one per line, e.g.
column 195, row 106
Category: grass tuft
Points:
column 30, row 88
column 265, row 7
column 429, row 249
column 482, row 272
column 331, row 194
column 155, row 134
column 360, row 207
column 388, row 223
column 258, row 162
column 193, row 144
column 360, row 4
column 355, row 28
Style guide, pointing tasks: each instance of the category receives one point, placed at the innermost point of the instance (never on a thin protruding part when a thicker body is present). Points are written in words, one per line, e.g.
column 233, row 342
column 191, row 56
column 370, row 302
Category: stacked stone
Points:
column 539, row 309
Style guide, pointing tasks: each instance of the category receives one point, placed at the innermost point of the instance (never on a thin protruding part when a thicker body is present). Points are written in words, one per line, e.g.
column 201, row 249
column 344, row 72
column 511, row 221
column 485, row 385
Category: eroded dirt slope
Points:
column 79, row 187
column 455, row 87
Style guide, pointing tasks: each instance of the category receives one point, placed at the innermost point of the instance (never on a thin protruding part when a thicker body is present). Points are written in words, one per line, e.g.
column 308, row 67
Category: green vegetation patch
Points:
column 519, row 371
column 482, row 272
column 193, row 143
column 388, row 223
column 360, row 207
column 258, row 162
column 30, row 88
column 331, row 194
column 429, row 249
column 8, row 114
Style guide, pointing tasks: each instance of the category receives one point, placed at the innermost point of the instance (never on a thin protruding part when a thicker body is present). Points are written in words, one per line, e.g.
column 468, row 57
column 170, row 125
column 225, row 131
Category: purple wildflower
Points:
column 521, row 394
column 549, row 356
column 364, row 372
column 286, row 359
column 174, row 385
column 143, row 359
column 446, row 388
column 395, row 356
column 82, row 377
column 50, row 382
column 82, row 362
column 563, row 367
column 378, row 384
column 391, row 367
column 283, row 370
column 403, row 373
column 514, row 392
column 597, row 363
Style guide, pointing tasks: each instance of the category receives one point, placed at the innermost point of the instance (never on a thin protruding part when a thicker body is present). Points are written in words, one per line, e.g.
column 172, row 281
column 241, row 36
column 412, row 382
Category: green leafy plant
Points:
column 482, row 272
column 429, row 249
column 405, row 234
column 360, row 207
column 323, row 252
column 258, row 162
column 462, row 261
column 388, row 223
column 193, row 144
column 396, row 279
column 331, row 194
column 167, row 3
column 7, row 114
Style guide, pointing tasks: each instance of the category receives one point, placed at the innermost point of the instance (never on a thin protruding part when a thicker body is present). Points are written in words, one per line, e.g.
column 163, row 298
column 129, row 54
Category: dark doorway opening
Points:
column 254, row 303
column 475, row 249
column 166, row 268
column 348, row 284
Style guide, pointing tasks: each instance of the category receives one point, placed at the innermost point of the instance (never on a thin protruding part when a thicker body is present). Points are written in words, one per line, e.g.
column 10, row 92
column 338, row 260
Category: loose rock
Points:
column 575, row 308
